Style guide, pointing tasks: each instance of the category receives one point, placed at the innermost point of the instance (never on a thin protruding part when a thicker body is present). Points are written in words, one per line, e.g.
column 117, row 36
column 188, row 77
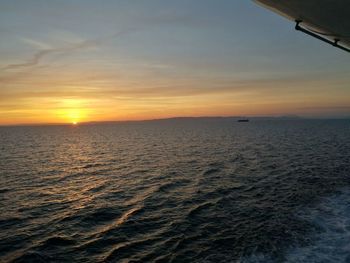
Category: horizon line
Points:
column 295, row 117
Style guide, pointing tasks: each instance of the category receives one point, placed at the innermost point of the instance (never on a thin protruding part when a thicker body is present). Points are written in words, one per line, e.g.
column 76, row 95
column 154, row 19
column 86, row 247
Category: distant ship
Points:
column 243, row 120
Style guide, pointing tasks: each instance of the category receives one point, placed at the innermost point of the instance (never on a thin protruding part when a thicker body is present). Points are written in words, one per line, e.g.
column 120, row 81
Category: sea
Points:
column 178, row 190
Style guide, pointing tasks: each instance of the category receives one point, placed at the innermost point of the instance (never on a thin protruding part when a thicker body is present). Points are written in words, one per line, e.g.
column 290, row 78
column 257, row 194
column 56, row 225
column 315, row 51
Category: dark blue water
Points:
column 187, row 190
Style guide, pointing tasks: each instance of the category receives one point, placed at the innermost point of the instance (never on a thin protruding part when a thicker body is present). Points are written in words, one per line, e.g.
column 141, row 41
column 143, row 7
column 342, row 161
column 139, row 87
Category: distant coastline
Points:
column 233, row 118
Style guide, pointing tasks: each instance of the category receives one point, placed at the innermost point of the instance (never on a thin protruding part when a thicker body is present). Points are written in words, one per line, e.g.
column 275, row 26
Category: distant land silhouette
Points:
column 233, row 118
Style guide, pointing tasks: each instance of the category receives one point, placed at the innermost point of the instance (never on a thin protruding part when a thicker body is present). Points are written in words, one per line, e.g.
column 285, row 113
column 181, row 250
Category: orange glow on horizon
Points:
column 72, row 111
column 80, row 108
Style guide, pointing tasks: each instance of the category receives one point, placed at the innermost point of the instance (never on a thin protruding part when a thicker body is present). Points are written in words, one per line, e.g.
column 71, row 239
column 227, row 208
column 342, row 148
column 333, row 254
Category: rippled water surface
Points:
column 187, row 190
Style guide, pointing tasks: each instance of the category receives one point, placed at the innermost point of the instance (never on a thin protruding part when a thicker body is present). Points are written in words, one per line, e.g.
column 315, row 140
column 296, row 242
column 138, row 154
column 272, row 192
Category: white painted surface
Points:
column 331, row 17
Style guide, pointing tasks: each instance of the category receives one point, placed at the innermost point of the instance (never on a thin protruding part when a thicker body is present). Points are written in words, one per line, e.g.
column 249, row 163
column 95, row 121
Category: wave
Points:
column 32, row 257
column 330, row 241
column 57, row 241
column 7, row 222
column 195, row 193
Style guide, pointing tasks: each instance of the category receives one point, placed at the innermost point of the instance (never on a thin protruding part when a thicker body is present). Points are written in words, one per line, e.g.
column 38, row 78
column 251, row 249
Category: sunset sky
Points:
column 63, row 61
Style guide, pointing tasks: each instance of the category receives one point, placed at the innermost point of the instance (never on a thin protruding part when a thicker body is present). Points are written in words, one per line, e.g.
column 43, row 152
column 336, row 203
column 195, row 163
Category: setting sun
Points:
column 72, row 110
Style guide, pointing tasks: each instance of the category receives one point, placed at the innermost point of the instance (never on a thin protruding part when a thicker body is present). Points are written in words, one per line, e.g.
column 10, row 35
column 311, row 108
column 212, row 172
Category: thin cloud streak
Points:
column 41, row 54
column 144, row 23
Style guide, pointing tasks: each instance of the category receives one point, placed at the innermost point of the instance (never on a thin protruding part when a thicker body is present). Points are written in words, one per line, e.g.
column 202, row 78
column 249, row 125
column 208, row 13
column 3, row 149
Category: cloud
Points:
column 142, row 23
column 35, row 43
column 327, row 108
column 41, row 54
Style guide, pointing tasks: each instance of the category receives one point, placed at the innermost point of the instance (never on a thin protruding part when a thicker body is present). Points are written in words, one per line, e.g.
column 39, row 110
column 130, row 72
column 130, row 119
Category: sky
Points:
column 64, row 61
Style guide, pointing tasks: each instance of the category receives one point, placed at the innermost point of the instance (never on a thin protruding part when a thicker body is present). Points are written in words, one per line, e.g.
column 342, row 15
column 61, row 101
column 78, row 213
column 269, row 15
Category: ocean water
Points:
column 182, row 190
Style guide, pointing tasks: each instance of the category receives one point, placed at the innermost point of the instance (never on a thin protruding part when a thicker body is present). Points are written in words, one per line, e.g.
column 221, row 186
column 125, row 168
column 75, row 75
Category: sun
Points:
column 73, row 111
